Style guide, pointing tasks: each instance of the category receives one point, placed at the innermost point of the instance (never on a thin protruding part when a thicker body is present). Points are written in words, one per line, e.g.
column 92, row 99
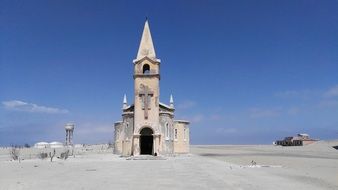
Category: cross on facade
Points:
column 145, row 93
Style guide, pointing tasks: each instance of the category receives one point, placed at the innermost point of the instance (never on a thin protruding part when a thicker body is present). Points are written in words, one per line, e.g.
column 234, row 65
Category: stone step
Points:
column 146, row 157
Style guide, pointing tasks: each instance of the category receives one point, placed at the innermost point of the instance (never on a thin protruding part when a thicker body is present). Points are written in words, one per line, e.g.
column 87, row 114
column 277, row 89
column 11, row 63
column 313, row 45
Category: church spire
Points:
column 125, row 102
column 171, row 102
column 146, row 47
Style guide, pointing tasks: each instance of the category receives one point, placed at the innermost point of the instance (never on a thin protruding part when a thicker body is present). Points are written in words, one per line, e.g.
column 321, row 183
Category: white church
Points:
column 148, row 126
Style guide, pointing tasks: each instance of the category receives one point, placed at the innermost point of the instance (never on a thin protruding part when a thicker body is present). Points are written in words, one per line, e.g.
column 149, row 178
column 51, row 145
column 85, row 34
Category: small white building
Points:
column 56, row 145
column 41, row 145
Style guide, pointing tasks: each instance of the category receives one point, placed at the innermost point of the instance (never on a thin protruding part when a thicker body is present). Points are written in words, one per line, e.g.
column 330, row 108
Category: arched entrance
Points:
column 146, row 141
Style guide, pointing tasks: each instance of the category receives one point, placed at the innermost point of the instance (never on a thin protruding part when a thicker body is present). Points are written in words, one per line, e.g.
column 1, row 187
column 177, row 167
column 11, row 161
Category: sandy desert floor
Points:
column 208, row 167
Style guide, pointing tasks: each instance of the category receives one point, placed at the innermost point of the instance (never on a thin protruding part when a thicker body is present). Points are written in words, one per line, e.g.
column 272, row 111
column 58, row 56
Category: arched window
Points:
column 146, row 69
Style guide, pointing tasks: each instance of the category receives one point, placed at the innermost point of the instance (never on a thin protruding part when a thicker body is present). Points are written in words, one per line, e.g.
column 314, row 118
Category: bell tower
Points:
column 146, row 91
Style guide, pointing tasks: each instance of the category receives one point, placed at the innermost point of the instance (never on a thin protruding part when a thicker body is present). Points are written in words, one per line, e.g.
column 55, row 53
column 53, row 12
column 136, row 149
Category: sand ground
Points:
column 208, row 167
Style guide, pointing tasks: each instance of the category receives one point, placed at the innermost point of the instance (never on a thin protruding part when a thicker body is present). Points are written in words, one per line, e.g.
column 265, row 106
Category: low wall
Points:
column 33, row 153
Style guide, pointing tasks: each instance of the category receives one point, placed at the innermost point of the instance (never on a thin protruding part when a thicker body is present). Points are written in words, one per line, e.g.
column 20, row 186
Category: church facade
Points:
column 148, row 126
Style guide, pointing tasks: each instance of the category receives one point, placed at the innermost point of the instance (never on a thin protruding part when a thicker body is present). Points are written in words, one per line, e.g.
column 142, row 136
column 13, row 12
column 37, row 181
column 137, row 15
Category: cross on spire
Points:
column 145, row 93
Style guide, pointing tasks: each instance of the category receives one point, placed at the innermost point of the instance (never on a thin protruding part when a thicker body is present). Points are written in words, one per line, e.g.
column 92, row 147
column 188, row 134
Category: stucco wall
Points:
column 128, row 131
column 167, row 139
column 181, row 142
column 128, row 125
column 118, row 138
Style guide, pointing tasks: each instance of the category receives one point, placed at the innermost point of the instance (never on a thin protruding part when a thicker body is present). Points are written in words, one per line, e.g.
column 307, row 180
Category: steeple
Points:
column 124, row 102
column 146, row 47
column 171, row 102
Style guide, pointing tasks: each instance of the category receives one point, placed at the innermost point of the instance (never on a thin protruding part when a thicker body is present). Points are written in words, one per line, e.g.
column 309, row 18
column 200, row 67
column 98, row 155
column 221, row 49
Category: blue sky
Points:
column 243, row 72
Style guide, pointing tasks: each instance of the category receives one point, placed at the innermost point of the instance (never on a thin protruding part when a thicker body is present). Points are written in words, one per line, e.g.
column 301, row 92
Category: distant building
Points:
column 48, row 145
column 299, row 140
column 56, row 144
column 41, row 145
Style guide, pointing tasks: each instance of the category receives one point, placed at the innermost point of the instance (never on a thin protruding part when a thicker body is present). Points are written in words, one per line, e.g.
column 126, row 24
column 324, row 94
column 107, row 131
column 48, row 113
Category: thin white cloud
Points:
column 197, row 118
column 216, row 117
column 322, row 98
column 293, row 111
column 329, row 98
column 186, row 104
column 303, row 94
column 332, row 92
column 328, row 103
column 18, row 105
column 263, row 113
column 287, row 94
column 226, row 130
column 87, row 128
column 88, row 132
column 312, row 93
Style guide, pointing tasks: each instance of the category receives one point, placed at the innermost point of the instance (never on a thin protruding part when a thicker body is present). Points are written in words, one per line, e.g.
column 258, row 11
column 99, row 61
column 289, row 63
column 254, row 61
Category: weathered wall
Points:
column 128, row 125
column 167, row 139
column 182, row 140
column 128, row 130
column 118, row 138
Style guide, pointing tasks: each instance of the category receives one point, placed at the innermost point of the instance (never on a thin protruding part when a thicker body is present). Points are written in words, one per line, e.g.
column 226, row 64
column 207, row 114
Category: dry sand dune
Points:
column 208, row 167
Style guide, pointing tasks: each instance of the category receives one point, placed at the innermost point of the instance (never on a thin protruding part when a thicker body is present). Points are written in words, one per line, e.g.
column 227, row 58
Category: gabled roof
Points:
column 152, row 60
column 165, row 106
column 129, row 108
column 181, row 121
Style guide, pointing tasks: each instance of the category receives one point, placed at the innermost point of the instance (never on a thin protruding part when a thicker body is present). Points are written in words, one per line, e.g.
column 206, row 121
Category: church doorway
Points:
column 146, row 141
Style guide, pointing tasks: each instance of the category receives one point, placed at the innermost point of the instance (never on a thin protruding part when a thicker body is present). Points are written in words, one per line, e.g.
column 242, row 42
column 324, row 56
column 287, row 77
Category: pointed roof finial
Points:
column 146, row 47
column 171, row 102
column 125, row 102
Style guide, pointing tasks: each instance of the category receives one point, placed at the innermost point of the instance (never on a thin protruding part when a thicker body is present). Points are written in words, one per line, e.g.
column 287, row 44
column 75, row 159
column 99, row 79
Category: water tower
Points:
column 69, row 133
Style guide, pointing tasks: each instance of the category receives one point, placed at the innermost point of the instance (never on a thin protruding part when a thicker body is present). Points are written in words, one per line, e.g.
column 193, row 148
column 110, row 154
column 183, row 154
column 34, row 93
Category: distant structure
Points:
column 41, row 145
column 56, row 145
column 69, row 127
column 299, row 140
column 148, row 125
column 48, row 145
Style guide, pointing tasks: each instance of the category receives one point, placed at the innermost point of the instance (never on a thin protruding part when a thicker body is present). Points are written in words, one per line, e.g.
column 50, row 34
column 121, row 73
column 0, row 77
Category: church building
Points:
column 148, row 126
